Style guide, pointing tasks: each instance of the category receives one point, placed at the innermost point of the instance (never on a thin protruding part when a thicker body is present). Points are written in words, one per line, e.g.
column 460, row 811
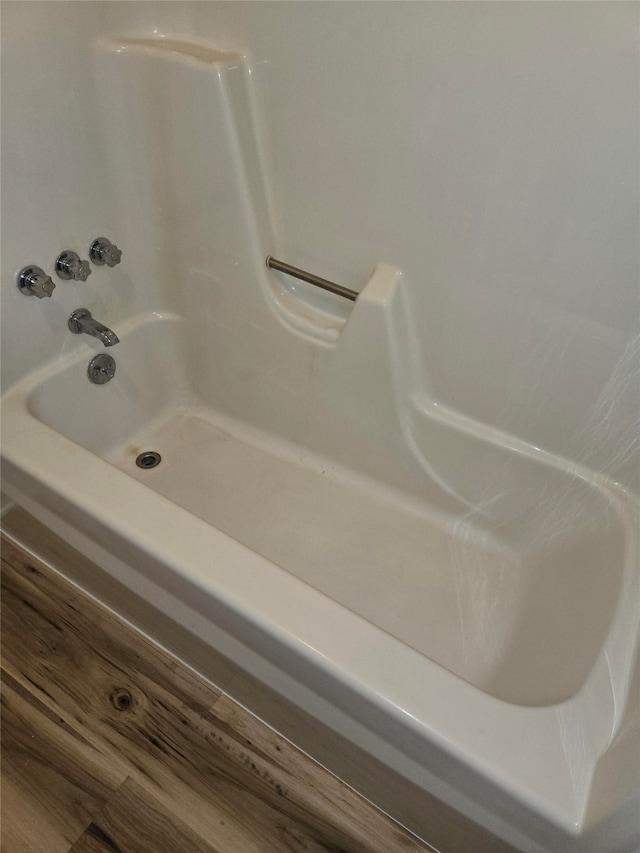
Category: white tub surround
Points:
column 452, row 601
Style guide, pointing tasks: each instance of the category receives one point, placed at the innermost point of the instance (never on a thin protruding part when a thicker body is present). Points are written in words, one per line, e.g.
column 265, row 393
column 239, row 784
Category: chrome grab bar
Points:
column 312, row 279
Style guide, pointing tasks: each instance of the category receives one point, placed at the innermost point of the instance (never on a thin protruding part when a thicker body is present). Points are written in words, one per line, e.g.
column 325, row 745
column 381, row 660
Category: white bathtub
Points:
column 483, row 656
column 444, row 615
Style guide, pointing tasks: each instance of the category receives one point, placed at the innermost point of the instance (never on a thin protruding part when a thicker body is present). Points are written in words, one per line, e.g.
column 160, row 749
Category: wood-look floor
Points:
column 110, row 745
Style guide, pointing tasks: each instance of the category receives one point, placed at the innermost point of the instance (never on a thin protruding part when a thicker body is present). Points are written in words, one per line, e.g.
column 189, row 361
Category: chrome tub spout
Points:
column 81, row 322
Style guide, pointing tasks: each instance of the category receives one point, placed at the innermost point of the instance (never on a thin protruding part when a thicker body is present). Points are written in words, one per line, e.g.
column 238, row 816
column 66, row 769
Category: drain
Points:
column 148, row 459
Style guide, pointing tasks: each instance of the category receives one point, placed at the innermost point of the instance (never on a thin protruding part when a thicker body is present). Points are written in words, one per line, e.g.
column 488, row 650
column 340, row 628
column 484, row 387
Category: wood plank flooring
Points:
column 110, row 745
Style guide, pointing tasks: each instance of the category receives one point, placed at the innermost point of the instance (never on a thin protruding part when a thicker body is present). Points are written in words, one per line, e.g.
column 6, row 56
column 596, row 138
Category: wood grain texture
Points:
column 132, row 821
column 53, row 781
column 110, row 737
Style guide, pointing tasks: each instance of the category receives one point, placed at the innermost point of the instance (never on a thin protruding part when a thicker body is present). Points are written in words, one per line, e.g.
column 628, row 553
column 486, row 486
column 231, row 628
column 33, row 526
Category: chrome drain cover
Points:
column 148, row 459
column 102, row 368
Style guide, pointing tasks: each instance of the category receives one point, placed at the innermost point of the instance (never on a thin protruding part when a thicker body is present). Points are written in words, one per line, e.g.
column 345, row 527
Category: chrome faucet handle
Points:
column 103, row 251
column 69, row 266
column 33, row 281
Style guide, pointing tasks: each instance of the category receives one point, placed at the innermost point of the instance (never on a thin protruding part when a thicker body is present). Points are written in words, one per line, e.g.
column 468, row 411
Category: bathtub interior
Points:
column 512, row 586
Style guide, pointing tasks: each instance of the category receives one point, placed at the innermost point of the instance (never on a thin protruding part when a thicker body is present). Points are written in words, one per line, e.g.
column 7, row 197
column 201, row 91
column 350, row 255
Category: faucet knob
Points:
column 103, row 251
column 33, row 281
column 69, row 266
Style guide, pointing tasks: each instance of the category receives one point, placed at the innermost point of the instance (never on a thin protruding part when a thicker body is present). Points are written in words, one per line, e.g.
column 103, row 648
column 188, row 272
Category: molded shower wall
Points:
column 488, row 150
